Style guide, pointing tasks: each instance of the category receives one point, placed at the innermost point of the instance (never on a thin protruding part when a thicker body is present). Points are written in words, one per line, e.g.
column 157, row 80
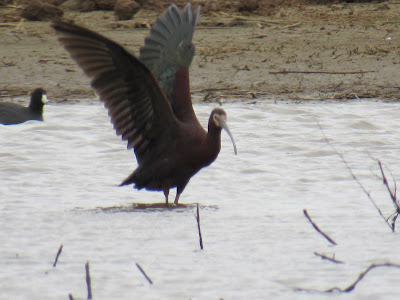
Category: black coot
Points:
column 13, row 113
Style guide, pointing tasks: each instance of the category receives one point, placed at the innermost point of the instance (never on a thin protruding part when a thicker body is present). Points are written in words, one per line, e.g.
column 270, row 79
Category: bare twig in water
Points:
column 317, row 228
column 88, row 282
column 393, row 194
column 352, row 286
column 58, row 254
column 360, row 277
column 332, row 259
column 354, row 177
column 198, row 227
column 386, row 183
column 144, row 273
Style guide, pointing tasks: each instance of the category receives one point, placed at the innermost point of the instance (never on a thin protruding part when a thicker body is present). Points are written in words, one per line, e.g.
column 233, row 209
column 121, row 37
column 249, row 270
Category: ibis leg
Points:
column 177, row 198
column 166, row 193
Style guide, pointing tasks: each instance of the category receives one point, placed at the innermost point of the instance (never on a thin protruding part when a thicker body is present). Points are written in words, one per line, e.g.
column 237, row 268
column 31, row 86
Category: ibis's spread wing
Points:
column 169, row 46
column 138, row 108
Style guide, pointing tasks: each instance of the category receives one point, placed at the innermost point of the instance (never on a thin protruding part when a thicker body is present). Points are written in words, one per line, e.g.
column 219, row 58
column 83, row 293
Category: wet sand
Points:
column 341, row 51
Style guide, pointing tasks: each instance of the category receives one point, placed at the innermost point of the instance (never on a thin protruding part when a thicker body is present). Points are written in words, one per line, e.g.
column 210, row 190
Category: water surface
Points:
column 59, row 185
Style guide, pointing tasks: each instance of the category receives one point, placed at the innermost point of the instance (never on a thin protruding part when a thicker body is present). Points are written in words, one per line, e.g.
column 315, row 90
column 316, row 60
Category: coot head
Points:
column 38, row 99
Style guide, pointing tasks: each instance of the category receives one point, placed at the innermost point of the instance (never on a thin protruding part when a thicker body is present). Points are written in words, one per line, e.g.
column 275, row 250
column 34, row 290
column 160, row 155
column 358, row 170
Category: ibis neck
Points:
column 182, row 100
column 214, row 135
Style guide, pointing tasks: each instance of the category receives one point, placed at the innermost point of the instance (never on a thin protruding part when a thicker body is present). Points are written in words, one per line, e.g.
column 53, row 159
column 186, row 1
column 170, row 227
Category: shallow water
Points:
column 59, row 185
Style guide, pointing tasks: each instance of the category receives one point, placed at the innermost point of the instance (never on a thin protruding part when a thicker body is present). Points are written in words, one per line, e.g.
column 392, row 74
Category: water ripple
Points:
column 59, row 185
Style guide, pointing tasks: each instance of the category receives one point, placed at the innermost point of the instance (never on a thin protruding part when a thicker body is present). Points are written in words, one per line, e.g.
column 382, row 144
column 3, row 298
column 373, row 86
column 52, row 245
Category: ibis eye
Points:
column 216, row 120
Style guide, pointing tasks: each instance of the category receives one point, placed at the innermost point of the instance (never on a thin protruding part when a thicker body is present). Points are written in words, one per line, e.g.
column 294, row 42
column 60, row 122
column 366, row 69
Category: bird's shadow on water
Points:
column 151, row 207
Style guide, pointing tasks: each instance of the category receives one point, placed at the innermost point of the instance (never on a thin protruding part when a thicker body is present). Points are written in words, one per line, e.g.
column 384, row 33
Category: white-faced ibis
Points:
column 13, row 113
column 149, row 99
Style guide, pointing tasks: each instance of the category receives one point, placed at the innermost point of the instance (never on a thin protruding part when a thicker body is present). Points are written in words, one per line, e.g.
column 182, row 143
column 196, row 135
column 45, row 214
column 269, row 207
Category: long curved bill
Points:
column 225, row 126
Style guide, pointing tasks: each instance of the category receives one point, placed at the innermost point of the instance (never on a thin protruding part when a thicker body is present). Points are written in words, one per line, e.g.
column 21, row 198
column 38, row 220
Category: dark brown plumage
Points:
column 149, row 99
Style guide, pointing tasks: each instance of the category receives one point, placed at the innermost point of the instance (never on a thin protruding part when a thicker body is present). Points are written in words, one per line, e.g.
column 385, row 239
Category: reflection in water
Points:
column 257, row 243
column 152, row 207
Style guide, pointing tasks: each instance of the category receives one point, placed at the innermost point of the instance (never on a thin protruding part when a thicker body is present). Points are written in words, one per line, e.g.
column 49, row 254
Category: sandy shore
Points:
column 337, row 51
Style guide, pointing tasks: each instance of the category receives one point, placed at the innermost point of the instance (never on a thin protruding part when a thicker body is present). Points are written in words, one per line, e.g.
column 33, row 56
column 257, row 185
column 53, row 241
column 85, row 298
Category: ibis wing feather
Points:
column 138, row 108
column 166, row 45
